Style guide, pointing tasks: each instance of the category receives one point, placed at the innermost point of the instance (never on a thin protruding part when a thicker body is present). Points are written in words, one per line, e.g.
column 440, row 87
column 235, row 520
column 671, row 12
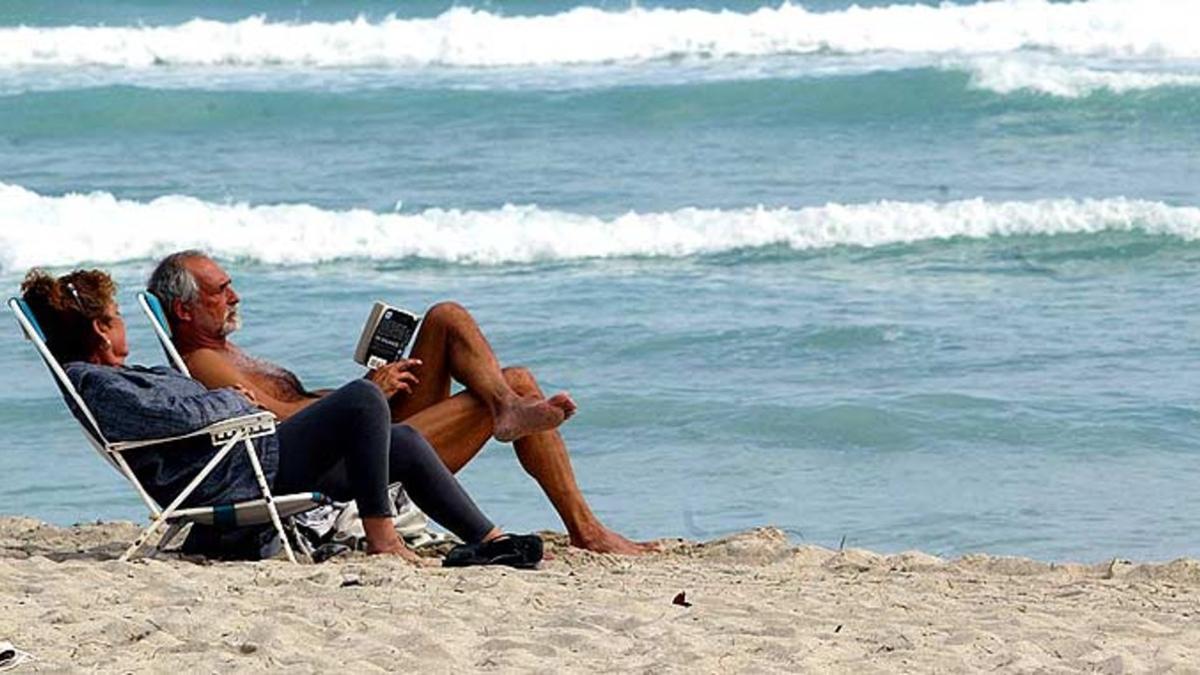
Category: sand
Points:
column 757, row 604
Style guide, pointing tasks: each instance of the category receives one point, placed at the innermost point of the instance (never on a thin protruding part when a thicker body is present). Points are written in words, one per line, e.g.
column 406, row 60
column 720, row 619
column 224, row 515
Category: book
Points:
column 387, row 336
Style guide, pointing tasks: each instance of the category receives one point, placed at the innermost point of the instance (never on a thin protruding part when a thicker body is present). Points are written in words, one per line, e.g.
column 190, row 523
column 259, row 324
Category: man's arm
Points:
column 215, row 370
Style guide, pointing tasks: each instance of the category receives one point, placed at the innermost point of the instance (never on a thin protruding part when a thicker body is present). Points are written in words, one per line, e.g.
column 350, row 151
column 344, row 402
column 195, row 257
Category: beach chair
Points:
column 162, row 330
column 227, row 435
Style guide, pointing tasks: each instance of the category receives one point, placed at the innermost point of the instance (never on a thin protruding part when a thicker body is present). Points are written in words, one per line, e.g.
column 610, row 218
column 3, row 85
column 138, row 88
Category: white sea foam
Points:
column 1012, row 74
column 97, row 227
column 1059, row 76
column 1159, row 29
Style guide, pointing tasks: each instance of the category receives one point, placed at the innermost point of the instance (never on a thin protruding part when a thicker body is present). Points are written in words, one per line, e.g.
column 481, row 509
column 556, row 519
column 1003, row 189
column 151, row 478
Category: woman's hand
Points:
column 249, row 395
column 395, row 378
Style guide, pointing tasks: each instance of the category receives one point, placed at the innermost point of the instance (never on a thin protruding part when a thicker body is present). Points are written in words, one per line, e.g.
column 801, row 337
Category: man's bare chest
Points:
column 278, row 382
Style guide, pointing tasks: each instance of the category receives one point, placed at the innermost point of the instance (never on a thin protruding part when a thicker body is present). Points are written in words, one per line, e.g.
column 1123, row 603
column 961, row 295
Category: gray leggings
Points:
column 346, row 446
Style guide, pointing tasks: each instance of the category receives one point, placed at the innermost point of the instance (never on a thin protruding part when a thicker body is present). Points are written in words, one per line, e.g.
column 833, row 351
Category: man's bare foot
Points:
column 523, row 417
column 605, row 540
column 564, row 401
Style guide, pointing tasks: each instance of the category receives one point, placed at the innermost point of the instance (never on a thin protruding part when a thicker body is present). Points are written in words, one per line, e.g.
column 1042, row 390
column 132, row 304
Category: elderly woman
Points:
column 344, row 445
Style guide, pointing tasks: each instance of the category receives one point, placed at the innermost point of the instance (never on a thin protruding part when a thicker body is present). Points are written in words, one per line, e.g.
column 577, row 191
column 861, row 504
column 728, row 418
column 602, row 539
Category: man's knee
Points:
column 448, row 313
column 520, row 379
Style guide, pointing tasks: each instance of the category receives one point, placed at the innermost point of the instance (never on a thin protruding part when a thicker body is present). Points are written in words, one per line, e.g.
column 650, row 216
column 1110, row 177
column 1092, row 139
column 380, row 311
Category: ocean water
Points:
column 915, row 275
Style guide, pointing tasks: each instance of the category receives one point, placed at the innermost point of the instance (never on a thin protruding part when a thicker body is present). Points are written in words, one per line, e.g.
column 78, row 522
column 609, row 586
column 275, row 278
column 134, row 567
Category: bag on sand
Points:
column 251, row 542
column 336, row 524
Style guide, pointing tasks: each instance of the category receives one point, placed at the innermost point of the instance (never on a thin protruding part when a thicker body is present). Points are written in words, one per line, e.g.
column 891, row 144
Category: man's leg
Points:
column 544, row 457
column 451, row 346
column 459, row 426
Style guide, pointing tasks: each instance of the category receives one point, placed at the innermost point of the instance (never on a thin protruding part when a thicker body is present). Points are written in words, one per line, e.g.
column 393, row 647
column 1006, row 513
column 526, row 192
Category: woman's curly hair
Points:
column 66, row 306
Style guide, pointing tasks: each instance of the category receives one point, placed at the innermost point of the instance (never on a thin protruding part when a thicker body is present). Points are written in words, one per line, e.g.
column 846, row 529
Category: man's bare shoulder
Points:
column 207, row 355
column 214, row 367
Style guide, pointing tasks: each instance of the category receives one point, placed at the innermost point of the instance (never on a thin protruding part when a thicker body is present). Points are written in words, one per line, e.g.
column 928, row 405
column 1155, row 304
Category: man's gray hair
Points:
column 172, row 281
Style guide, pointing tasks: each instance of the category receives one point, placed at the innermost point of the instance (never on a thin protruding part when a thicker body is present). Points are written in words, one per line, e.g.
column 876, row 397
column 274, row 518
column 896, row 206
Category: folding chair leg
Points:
column 168, row 537
column 145, row 535
column 170, row 510
column 266, row 492
column 302, row 544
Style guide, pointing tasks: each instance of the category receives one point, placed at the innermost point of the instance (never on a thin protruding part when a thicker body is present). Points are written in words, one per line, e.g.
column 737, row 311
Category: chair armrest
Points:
column 256, row 425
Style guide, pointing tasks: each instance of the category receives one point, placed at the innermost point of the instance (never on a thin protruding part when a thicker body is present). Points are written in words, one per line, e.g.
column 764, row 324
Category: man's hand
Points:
column 396, row 378
column 249, row 395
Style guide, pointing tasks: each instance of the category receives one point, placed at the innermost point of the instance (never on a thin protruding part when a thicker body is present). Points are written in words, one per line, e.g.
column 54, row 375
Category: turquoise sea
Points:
column 922, row 276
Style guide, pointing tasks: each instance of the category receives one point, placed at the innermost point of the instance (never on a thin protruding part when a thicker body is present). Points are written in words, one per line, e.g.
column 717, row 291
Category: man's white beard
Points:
column 232, row 323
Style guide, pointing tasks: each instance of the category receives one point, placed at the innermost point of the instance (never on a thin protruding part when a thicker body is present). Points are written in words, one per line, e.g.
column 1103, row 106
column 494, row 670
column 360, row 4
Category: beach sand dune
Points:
column 752, row 602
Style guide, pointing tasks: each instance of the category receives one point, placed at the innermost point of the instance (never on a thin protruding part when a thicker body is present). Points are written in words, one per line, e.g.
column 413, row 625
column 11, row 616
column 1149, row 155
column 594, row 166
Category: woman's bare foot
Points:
column 605, row 540
column 383, row 540
column 523, row 417
column 403, row 552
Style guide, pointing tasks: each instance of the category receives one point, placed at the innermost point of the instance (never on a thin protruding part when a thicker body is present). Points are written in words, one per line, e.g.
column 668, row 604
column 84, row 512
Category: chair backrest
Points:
column 153, row 309
column 33, row 332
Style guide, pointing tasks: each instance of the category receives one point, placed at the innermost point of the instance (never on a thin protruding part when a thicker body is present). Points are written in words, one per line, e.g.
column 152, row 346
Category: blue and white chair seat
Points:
column 253, row 512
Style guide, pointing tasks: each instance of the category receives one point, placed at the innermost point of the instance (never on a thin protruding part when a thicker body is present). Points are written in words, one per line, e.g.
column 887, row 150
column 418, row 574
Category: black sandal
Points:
column 522, row 551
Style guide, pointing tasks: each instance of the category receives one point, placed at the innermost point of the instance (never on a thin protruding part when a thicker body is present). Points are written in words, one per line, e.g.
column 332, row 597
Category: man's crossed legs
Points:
column 500, row 402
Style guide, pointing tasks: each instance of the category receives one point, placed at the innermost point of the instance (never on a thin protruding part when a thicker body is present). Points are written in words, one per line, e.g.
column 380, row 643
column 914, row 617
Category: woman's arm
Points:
column 137, row 406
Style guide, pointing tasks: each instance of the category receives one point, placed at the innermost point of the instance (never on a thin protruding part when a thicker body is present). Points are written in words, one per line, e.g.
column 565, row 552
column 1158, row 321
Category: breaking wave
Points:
column 100, row 228
column 1010, row 75
column 465, row 37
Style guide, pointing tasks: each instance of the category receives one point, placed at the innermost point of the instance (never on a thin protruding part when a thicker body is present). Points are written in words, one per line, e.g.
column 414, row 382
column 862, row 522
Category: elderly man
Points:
column 505, row 403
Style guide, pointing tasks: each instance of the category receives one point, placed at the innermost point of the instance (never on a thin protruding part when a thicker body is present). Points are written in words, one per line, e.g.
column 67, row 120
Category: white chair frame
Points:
column 160, row 331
